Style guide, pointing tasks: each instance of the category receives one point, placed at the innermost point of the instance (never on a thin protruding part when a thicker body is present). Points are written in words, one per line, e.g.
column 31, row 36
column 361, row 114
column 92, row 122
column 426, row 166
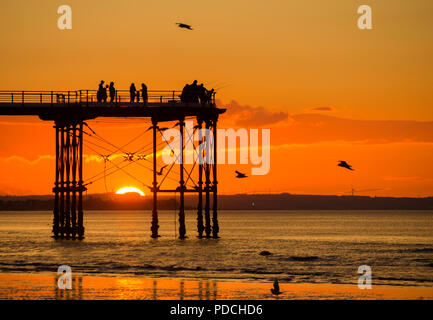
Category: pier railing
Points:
column 87, row 97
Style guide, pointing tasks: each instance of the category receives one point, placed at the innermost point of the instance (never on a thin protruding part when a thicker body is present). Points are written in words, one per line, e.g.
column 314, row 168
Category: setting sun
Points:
column 129, row 190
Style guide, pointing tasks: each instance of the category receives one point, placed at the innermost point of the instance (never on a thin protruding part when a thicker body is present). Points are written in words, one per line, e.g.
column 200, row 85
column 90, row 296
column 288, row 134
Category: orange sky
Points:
column 327, row 90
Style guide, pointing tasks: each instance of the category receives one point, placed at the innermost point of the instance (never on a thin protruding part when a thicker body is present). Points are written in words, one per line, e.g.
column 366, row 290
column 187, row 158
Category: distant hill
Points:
column 283, row 201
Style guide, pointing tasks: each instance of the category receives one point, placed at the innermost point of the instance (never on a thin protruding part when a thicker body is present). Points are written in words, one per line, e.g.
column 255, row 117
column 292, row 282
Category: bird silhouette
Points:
column 344, row 164
column 276, row 290
column 159, row 173
column 240, row 175
column 184, row 26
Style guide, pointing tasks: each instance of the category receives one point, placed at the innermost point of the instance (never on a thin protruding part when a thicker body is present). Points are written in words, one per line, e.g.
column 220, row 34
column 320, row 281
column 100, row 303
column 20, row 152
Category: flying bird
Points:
column 240, row 175
column 276, row 289
column 184, row 26
column 344, row 164
column 159, row 173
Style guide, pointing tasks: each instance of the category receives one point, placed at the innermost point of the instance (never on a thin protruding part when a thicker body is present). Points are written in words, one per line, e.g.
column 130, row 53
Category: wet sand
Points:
column 44, row 286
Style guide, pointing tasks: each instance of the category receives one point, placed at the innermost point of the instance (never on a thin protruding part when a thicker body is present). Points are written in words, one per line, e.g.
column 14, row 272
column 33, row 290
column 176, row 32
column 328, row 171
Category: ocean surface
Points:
column 305, row 246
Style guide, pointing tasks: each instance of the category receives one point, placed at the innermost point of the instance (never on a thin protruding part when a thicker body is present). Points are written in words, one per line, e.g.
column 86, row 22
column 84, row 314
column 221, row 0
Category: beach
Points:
column 313, row 254
column 44, row 287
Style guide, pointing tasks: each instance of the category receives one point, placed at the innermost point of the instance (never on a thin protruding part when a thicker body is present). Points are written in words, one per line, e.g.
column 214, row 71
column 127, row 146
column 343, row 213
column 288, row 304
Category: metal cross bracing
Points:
column 190, row 179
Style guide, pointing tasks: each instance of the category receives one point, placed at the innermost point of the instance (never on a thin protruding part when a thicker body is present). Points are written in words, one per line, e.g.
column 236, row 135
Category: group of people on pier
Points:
column 104, row 90
column 134, row 94
column 193, row 93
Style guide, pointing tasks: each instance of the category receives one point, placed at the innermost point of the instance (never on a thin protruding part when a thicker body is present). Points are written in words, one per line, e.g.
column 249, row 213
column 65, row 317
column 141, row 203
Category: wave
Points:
column 417, row 250
column 300, row 258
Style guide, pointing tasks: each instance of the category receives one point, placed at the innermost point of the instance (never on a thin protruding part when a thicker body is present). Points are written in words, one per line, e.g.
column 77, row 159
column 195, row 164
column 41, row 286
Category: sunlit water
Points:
column 305, row 246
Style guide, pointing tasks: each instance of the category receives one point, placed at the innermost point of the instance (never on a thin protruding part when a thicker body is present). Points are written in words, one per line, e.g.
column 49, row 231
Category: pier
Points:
column 69, row 110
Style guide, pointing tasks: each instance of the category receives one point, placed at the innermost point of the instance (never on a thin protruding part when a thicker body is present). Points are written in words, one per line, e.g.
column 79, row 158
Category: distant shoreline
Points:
column 283, row 201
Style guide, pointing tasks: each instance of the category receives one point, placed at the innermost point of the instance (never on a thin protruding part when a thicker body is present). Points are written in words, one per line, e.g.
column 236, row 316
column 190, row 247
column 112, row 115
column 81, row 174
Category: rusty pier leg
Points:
column 68, row 210
column 182, row 229
column 56, row 189
column 215, row 226
column 81, row 188
column 207, row 183
column 154, row 227
column 200, row 226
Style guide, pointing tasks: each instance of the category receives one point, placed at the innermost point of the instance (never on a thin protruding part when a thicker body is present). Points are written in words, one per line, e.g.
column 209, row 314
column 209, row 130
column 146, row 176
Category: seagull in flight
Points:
column 159, row 173
column 344, row 164
column 184, row 26
column 240, row 175
column 276, row 289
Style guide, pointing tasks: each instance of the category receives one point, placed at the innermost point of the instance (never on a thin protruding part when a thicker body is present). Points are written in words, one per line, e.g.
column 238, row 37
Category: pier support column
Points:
column 56, row 189
column 68, row 210
column 200, row 226
column 154, row 227
column 182, row 230
column 215, row 226
column 67, row 186
column 81, row 188
column 207, row 183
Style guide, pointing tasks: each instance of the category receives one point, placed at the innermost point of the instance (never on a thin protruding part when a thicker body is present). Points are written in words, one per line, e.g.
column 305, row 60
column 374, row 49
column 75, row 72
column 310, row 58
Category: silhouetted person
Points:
column 201, row 92
column 100, row 91
column 185, row 96
column 194, row 92
column 104, row 94
column 132, row 91
column 144, row 95
column 112, row 91
column 138, row 96
column 209, row 95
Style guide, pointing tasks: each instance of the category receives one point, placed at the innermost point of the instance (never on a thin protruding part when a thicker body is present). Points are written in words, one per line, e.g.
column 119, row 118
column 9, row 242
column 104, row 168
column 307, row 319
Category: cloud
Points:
column 27, row 161
column 405, row 179
column 322, row 109
column 247, row 116
column 314, row 128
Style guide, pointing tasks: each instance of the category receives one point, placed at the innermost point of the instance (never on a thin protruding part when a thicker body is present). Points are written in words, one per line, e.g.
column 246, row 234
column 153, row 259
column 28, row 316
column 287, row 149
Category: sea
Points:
column 254, row 246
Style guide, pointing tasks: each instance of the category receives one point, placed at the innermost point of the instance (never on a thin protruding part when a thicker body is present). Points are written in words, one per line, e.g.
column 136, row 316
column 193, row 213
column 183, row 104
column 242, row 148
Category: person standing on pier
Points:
column 104, row 95
column 132, row 91
column 144, row 94
column 138, row 96
column 100, row 91
column 112, row 92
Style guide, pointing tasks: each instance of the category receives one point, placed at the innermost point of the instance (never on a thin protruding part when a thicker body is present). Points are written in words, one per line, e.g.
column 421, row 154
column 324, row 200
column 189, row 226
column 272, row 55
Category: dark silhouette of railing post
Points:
column 154, row 226
column 215, row 226
column 200, row 227
column 207, row 183
column 182, row 230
